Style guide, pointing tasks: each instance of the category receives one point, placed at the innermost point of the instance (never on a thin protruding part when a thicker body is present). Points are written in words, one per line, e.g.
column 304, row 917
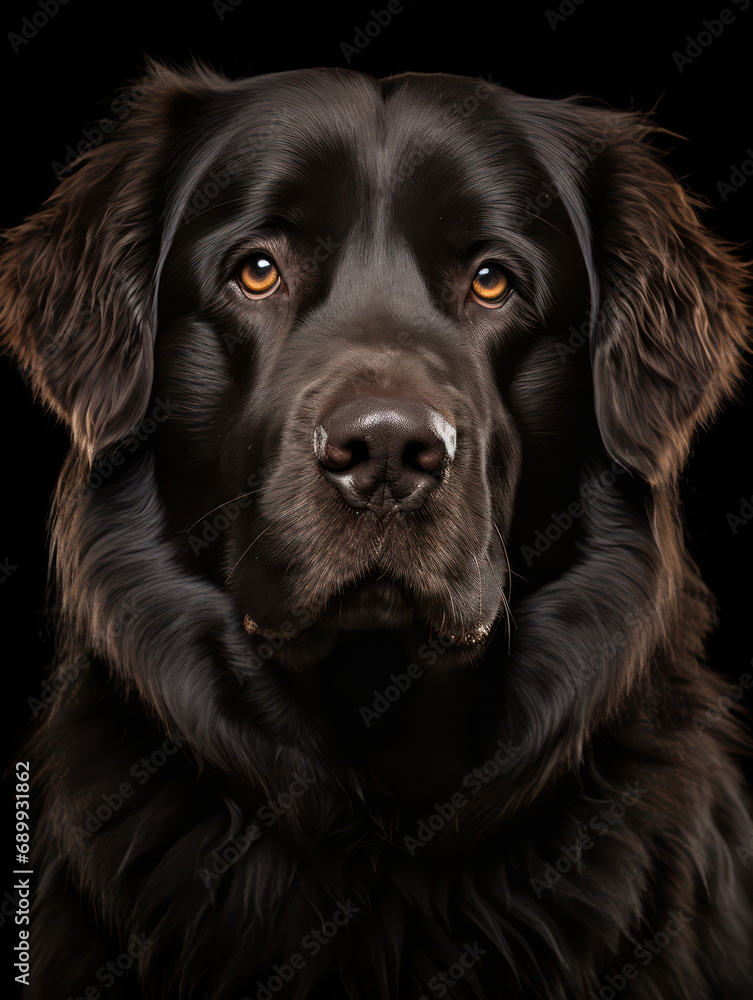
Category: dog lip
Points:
column 373, row 603
column 379, row 599
column 254, row 628
column 369, row 605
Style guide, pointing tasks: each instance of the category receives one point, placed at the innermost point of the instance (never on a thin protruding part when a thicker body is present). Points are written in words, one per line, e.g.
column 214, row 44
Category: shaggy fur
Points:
column 463, row 746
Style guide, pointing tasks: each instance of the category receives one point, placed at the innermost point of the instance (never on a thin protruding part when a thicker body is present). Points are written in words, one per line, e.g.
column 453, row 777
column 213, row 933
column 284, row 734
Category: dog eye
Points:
column 490, row 285
column 259, row 276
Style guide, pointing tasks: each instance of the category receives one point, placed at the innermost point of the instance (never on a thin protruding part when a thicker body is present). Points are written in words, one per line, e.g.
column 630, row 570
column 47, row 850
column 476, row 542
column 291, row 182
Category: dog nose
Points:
column 384, row 453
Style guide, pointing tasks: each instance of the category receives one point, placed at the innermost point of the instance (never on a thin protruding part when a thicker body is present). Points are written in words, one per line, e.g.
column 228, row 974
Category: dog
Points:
column 380, row 661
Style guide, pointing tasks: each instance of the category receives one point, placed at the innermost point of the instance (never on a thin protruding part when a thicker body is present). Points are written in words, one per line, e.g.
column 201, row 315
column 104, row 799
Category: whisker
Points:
column 508, row 613
column 507, row 559
column 287, row 568
column 452, row 604
column 223, row 504
column 245, row 551
column 480, row 590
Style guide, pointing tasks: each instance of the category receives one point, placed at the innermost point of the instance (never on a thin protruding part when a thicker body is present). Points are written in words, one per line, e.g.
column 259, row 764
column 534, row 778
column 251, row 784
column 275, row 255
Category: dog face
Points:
column 378, row 331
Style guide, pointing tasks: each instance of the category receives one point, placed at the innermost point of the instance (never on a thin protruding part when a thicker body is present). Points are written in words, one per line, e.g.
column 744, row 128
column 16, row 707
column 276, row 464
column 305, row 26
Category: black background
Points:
column 64, row 79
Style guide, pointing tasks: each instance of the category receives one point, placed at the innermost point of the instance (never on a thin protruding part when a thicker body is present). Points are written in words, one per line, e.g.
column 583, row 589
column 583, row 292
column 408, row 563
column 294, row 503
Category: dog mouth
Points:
column 298, row 612
column 375, row 603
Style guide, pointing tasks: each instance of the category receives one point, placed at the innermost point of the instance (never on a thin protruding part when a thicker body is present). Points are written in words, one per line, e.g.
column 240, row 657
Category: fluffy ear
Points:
column 669, row 322
column 78, row 280
column 671, row 325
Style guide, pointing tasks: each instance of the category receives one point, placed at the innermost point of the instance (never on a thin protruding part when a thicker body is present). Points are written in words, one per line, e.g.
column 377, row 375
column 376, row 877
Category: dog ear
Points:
column 669, row 321
column 671, row 326
column 78, row 280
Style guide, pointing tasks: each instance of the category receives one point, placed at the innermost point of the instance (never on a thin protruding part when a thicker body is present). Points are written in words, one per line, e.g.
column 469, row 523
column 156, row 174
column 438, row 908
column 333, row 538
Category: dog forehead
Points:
column 346, row 99
column 341, row 142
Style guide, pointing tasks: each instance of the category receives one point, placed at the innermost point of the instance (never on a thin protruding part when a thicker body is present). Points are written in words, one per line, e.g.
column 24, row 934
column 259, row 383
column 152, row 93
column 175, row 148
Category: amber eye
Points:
column 490, row 285
column 259, row 276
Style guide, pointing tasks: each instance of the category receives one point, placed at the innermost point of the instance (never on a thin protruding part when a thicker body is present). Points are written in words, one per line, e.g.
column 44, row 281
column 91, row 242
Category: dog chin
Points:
column 378, row 606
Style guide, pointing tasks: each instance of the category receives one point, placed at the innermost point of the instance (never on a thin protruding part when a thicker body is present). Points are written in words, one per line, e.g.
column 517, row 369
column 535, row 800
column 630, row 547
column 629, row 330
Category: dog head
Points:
column 394, row 320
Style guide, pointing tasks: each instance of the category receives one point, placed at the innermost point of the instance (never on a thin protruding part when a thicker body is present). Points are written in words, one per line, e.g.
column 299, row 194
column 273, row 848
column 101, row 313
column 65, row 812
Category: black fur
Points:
column 469, row 738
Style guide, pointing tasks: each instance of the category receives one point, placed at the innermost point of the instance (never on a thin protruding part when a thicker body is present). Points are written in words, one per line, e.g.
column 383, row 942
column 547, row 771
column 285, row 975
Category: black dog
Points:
column 400, row 374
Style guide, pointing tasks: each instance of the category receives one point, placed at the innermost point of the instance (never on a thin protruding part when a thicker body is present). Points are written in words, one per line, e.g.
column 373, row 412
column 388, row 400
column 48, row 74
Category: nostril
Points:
column 338, row 454
column 423, row 458
column 343, row 457
column 337, row 457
